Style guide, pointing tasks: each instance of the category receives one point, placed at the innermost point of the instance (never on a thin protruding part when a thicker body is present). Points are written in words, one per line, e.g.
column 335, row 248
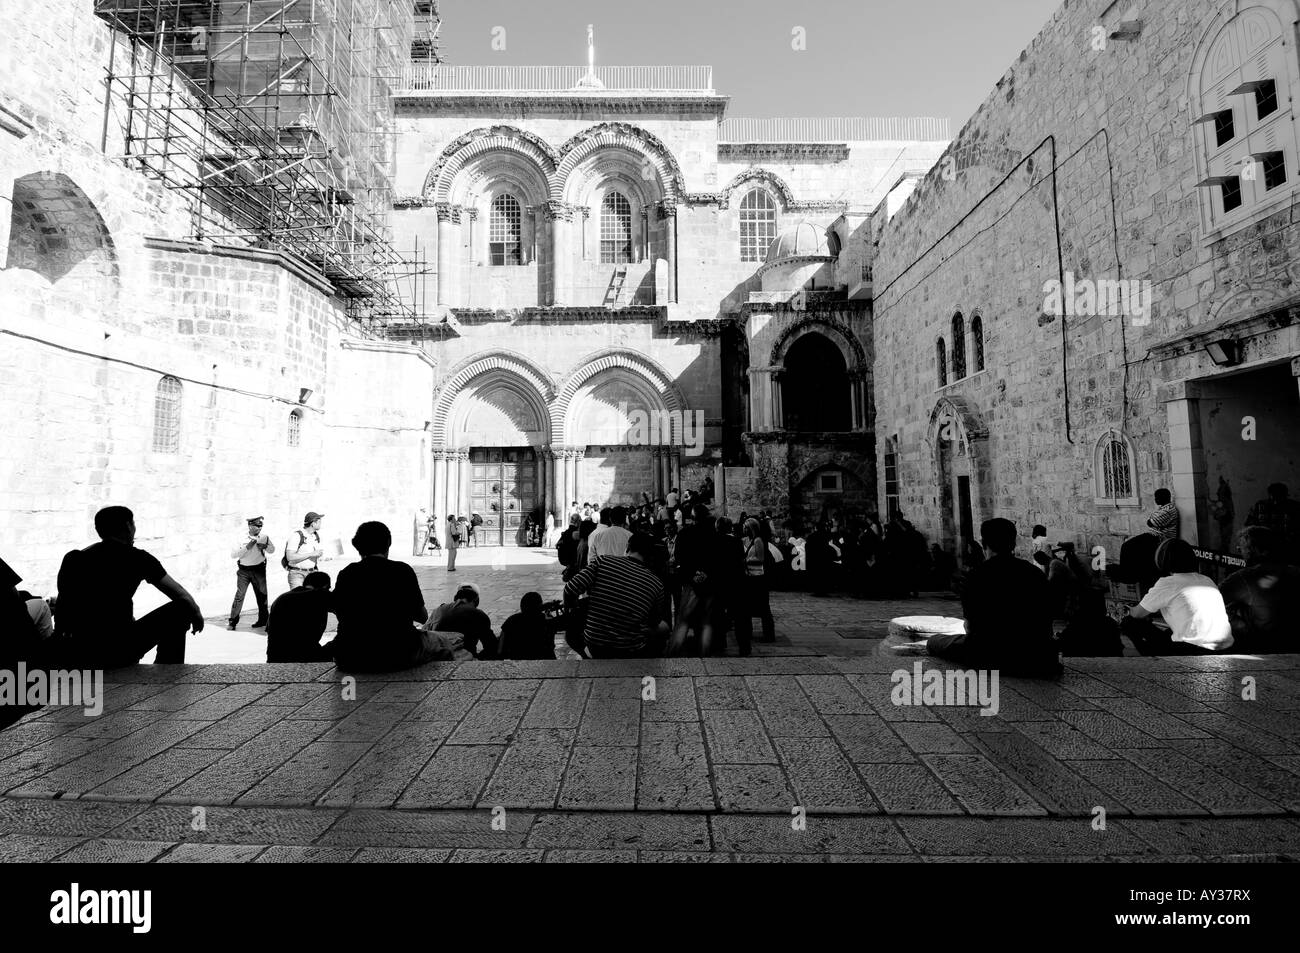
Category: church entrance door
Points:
column 503, row 490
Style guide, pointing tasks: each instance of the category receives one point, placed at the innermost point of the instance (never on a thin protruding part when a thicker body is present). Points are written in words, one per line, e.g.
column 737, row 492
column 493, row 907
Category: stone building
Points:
column 1092, row 293
column 608, row 247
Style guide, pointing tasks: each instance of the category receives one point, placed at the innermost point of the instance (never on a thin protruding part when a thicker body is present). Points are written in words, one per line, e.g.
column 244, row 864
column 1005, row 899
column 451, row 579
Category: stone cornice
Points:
column 827, row 151
column 1240, row 327
column 14, row 124
column 420, row 331
column 582, row 105
column 580, row 313
column 853, row 438
column 702, row 327
column 410, row 201
column 290, row 262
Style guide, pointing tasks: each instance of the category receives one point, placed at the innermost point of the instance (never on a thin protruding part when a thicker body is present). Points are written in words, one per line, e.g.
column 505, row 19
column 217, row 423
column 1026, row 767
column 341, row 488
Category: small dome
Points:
column 800, row 241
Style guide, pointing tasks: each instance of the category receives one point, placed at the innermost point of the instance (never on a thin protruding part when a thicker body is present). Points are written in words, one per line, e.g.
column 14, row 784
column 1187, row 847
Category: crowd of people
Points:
column 666, row 578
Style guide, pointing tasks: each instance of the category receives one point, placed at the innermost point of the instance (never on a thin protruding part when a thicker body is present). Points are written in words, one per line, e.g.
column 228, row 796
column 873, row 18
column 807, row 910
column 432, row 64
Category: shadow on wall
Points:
column 56, row 231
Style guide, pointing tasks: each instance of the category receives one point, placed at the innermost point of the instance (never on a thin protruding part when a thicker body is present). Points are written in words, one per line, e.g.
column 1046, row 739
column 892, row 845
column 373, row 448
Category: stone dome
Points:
column 800, row 241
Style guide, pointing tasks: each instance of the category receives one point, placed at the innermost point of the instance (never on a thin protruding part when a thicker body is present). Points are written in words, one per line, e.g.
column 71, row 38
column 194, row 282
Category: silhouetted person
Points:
column 527, row 634
column 463, row 617
column 297, row 622
column 95, row 609
column 696, row 556
column 626, row 605
column 1282, row 515
column 250, row 557
column 378, row 603
column 1263, row 600
column 1008, row 613
column 19, row 641
column 759, row 567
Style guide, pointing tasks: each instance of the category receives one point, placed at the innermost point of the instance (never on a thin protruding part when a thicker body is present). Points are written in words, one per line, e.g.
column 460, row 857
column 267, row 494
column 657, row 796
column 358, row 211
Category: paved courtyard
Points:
column 834, row 625
column 801, row 757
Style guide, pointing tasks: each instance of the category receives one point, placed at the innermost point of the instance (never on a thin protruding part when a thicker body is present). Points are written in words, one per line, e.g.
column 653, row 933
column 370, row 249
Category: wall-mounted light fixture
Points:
column 1224, row 353
column 304, row 395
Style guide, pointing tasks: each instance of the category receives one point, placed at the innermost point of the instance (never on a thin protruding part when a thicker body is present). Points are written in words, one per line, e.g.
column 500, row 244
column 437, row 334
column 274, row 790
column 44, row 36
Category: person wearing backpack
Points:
column 302, row 553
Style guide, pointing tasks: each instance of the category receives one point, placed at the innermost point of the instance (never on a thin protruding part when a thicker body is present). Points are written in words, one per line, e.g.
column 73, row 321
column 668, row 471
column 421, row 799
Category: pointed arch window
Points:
column 167, row 416
column 504, row 231
column 757, row 224
column 941, row 361
column 295, row 428
column 1113, row 470
column 977, row 342
column 958, row 347
column 615, row 229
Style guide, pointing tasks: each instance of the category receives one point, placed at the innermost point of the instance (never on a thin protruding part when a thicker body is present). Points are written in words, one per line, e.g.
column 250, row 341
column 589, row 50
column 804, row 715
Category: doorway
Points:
column 503, row 491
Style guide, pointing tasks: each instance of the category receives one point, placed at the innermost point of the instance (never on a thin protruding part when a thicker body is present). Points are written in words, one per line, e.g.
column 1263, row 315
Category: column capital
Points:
column 666, row 209
column 447, row 212
column 558, row 211
column 1295, row 367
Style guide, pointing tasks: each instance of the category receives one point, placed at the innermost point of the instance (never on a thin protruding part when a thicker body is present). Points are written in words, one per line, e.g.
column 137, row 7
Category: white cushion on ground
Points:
column 917, row 627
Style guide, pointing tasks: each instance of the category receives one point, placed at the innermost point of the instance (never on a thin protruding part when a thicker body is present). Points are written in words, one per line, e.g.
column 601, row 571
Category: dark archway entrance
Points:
column 815, row 393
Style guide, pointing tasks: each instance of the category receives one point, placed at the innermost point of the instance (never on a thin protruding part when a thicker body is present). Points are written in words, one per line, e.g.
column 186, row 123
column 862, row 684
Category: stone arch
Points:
column 970, row 425
column 524, row 376
column 760, row 177
column 648, row 370
column 855, row 355
column 55, row 228
column 1287, row 12
column 618, row 136
column 839, row 460
column 464, row 149
column 958, row 439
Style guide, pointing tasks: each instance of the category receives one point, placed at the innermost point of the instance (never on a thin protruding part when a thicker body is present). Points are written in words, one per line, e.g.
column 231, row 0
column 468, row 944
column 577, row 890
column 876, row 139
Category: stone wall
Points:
column 1080, row 161
column 104, row 296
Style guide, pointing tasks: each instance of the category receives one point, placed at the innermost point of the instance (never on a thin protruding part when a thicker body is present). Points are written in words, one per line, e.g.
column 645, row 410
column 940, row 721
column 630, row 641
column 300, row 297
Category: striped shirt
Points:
column 624, row 599
column 1164, row 522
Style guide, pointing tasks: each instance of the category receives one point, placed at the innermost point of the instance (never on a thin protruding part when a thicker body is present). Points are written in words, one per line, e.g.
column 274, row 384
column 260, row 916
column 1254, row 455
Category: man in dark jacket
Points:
column 1008, row 611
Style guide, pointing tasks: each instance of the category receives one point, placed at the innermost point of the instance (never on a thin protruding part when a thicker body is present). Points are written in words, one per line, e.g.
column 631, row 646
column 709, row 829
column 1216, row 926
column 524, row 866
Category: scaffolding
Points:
column 275, row 119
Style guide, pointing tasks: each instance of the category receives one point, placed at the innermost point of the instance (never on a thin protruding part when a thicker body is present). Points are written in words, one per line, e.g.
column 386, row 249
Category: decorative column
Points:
column 668, row 215
column 1295, row 370
column 778, row 408
column 561, row 218
column 440, row 487
column 448, row 229
column 674, row 468
column 577, row 454
column 472, row 254
column 656, row 474
column 764, row 397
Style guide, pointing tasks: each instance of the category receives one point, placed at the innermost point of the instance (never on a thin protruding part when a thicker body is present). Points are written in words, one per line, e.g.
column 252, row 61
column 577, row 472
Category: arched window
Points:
column 1242, row 85
column 504, row 231
column 615, row 229
column 757, row 225
column 941, row 360
column 295, row 427
column 1113, row 470
column 816, row 393
column 958, row 347
column 167, row 416
column 977, row 342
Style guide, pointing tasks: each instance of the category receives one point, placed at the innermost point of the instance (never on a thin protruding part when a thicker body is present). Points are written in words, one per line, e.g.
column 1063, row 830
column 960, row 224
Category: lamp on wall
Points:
column 1129, row 26
column 1224, row 353
column 304, row 395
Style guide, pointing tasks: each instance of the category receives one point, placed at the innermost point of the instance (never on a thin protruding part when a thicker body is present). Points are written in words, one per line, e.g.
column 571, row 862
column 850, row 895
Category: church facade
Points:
column 604, row 256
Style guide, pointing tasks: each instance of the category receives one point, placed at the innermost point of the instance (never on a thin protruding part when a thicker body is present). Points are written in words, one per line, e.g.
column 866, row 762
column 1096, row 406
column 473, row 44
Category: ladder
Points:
column 615, row 286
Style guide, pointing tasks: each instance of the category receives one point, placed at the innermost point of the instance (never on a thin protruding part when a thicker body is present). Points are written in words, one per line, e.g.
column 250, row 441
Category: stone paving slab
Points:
column 672, row 760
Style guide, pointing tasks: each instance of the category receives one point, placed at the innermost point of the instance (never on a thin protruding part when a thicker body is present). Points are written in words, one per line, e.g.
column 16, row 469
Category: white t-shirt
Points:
column 1193, row 608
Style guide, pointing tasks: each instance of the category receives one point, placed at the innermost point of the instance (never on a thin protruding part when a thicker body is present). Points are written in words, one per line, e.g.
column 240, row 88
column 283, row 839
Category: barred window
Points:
column 615, row 229
column 941, row 359
column 891, row 479
column 958, row 346
column 1113, row 470
column 295, row 427
column 167, row 416
column 757, row 225
column 504, row 231
column 977, row 341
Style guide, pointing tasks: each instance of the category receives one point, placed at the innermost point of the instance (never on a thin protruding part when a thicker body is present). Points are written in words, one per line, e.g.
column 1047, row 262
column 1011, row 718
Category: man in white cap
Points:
column 303, row 552
column 250, row 554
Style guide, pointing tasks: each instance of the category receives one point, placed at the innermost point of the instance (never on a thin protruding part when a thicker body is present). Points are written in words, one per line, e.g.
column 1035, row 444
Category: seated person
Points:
column 297, row 622
column 95, row 609
column 379, row 604
column 527, row 634
column 1008, row 610
column 19, row 640
column 1263, row 600
column 627, row 611
column 463, row 616
column 1190, row 603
